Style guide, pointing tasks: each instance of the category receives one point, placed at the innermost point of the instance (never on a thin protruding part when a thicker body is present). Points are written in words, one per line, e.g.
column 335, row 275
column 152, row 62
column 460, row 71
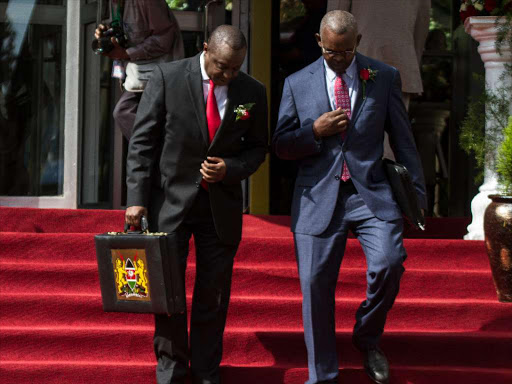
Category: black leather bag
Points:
column 404, row 192
column 139, row 272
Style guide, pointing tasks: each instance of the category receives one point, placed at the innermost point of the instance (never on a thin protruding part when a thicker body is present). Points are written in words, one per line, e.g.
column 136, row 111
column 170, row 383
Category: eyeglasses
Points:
column 339, row 53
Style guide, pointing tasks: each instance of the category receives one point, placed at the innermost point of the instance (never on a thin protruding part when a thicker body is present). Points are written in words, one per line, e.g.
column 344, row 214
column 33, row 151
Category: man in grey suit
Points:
column 332, row 120
column 189, row 151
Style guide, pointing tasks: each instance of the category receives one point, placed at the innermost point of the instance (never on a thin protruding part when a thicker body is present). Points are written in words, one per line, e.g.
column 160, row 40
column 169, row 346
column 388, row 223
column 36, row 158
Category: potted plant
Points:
column 470, row 8
column 498, row 221
column 486, row 133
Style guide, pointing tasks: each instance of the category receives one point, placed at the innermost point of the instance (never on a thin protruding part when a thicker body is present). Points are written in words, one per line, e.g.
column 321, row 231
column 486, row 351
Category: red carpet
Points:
column 446, row 326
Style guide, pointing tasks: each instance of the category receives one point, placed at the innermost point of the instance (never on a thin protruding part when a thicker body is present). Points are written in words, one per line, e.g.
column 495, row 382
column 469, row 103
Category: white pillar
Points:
column 483, row 29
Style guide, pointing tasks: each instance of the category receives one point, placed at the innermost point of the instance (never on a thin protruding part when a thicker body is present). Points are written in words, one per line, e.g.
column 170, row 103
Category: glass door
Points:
column 103, row 148
column 32, row 78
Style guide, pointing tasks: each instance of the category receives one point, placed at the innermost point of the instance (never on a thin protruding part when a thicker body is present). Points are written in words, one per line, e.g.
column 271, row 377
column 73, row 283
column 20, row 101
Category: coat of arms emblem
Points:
column 130, row 273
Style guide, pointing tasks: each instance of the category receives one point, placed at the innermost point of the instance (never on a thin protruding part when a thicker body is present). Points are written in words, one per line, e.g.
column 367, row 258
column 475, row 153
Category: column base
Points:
column 478, row 207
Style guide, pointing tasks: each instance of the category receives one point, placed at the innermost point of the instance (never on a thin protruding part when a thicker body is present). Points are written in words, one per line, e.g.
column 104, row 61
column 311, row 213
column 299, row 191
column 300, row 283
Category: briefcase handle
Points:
column 143, row 227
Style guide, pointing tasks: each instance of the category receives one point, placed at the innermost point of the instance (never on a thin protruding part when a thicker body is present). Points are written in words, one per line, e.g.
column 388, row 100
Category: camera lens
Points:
column 102, row 45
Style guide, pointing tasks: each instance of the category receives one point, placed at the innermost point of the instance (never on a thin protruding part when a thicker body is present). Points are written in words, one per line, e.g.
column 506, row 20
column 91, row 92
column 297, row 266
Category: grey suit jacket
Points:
column 170, row 141
column 319, row 163
column 394, row 32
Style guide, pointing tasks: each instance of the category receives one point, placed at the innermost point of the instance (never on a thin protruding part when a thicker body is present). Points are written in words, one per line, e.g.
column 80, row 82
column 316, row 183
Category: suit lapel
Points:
column 195, row 87
column 233, row 99
column 319, row 87
column 229, row 112
column 360, row 102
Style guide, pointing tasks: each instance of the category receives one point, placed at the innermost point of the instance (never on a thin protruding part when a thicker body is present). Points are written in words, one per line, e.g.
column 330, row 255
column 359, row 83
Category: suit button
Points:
column 242, row 138
column 337, row 177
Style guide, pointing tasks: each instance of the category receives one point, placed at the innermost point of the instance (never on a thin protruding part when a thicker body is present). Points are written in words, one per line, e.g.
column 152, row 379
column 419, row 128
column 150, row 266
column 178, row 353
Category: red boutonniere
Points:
column 242, row 111
column 367, row 74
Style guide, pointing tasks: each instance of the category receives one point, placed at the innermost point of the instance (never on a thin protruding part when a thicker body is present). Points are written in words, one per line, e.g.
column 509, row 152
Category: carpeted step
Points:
column 59, row 278
column 263, row 348
column 98, row 221
column 127, row 373
column 443, row 255
column 264, row 313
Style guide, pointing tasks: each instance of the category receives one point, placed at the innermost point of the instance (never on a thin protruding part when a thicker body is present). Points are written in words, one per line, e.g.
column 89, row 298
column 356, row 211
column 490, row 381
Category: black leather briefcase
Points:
column 404, row 192
column 139, row 272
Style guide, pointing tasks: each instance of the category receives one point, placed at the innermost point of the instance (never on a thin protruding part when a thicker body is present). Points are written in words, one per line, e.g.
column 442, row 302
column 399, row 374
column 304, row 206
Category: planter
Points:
column 498, row 240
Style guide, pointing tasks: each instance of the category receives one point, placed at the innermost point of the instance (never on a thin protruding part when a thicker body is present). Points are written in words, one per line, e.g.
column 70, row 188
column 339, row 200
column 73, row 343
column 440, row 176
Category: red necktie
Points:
column 212, row 118
column 343, row 100
column 212, row 112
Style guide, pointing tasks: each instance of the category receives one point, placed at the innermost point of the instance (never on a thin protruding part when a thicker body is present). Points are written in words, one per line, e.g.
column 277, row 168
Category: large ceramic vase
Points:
column 498, row 240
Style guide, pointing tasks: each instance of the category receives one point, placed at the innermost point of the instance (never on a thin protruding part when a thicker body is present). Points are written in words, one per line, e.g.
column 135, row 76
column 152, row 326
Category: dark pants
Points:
column 214, row 267
column 319, row 259
column 125, row 112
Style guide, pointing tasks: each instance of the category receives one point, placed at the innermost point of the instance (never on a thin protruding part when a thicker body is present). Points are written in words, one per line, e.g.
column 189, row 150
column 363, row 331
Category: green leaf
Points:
column 504, row 161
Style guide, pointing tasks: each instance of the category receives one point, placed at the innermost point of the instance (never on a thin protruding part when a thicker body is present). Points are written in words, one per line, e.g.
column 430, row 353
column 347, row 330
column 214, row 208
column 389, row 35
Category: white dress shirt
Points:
column 350, row 77
column 221, row 91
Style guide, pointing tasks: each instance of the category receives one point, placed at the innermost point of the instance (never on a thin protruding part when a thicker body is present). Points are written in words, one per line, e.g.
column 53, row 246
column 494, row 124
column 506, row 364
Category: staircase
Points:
column 446, row 326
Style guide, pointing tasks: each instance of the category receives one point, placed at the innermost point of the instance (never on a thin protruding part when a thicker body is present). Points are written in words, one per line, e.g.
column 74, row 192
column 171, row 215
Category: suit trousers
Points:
column 125, row 112
column 214, row 267
column 319, row 259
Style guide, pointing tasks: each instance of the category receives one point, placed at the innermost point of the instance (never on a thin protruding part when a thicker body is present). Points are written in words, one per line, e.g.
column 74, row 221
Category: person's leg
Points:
column 214, row 267
column 319, row 259
column 406, row 98
column 171, row 337
column 382, row 243
column 125, row 112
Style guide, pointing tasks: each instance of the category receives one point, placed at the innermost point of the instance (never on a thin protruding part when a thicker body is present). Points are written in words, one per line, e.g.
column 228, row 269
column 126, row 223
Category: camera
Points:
column 104, row 43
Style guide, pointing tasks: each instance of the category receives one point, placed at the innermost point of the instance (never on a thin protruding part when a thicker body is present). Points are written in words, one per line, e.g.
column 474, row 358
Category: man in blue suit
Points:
column 332, row 120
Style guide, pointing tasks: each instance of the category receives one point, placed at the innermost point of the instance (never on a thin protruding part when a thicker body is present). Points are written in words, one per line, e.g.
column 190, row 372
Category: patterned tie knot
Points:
column 342, row 96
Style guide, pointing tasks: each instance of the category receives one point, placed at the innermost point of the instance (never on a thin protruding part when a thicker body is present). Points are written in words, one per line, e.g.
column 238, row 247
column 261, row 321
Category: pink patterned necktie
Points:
column 343, row 100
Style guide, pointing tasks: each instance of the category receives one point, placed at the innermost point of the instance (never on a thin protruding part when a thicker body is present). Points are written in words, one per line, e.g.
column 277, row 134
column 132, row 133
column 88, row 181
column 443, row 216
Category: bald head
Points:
column 338, row 39
column 224, row 54
column 227, row 36
column 339, row 22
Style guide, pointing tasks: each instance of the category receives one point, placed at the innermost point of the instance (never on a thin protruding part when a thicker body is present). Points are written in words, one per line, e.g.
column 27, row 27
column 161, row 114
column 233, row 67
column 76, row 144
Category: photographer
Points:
column 141, row 33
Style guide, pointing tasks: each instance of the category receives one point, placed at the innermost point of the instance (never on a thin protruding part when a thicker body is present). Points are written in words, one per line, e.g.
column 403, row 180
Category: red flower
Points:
column 490, row 5
column 364, row 74
column 245, row 115
column 471, row 11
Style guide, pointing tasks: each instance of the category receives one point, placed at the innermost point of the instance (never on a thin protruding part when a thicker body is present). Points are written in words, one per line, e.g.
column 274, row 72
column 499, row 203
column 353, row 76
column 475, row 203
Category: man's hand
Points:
column 330, row 123
column 133, row 215
column 99, row 31
column 213, row 169
column 118, row 53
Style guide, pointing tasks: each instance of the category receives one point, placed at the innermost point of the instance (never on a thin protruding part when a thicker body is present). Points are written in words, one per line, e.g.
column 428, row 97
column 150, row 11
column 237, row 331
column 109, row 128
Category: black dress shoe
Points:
column 376, row 365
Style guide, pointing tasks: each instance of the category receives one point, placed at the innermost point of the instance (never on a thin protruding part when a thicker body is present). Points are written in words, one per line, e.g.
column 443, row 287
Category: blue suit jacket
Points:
column 319, row 162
